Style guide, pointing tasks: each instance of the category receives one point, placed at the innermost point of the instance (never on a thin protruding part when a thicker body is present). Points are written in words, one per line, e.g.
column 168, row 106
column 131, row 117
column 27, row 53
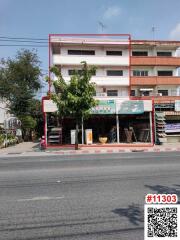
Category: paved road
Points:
column 95, row 197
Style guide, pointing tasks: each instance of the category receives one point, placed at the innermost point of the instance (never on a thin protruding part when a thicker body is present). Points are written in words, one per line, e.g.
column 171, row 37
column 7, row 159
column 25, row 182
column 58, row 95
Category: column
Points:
column 82, row 130
column 117, row 127
column 151, row 126
column 45, row 128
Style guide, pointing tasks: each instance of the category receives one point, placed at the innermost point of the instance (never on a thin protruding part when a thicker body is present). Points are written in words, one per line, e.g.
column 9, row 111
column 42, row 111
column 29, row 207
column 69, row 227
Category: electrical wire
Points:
column 22, row 45
column 36, row 42
column 25, row 38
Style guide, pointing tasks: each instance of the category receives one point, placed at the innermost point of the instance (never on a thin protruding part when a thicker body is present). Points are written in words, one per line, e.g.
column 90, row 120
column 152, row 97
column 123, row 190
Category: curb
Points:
column 108, row 151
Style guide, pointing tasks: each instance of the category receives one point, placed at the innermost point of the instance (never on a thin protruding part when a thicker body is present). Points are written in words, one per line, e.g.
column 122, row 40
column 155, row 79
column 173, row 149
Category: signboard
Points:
column 88, row 136
column 130, row 107
column 177, row 105
column 172, row 128
column 49, row 106
column 105, row 107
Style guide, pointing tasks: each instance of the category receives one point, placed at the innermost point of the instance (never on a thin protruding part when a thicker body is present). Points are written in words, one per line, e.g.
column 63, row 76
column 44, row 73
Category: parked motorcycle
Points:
column 42, row 143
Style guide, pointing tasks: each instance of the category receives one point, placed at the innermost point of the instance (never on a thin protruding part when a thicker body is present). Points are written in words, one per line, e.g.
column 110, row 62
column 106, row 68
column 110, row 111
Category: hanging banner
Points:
column 130, row 107
column 172, row 128
column 104, row 107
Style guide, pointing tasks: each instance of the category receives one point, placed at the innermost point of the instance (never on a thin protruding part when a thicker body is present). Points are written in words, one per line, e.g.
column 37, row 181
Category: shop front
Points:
column 112, row 122
column 167, row 122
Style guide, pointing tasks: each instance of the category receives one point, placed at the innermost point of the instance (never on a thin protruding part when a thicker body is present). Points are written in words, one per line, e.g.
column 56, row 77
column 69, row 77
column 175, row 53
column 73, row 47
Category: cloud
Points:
column 175, row 32
column 111, row 12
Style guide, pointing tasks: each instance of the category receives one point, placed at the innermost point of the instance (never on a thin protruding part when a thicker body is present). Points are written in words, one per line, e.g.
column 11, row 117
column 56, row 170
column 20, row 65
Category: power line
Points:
column 21, row 45
column 29, row 41
column 25, row 38
column 38, row 42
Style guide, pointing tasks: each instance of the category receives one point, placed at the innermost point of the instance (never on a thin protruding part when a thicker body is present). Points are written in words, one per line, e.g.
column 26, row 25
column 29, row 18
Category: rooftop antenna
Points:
column 153, row 29
column 102, row 26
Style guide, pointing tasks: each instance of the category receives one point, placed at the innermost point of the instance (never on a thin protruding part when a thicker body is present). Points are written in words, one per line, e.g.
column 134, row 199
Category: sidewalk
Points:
column 32, row 149
column 20, row 148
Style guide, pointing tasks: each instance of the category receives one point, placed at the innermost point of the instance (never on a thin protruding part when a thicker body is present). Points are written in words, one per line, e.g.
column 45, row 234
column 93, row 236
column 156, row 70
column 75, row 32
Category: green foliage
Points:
column 19, row 82
column 28, row 122
column 75, row 98
column 1, row 138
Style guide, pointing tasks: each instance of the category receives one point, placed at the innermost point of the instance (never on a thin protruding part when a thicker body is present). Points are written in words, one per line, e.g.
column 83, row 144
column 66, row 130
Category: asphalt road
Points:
column 82, row 197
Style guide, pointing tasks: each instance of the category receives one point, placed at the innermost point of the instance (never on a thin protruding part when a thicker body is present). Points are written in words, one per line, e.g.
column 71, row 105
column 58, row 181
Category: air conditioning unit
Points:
column 102, row 94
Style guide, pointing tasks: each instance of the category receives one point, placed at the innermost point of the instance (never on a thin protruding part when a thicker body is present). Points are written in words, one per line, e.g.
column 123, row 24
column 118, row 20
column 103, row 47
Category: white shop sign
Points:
column 50, row 106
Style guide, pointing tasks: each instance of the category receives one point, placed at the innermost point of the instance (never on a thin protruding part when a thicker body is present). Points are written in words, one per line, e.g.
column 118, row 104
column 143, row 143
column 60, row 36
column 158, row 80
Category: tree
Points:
column 19, row 82
column 75, row 98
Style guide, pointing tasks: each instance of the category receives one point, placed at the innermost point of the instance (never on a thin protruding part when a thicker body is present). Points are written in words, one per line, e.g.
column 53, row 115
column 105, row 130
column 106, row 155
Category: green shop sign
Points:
column 104, row 107
column 130, row 107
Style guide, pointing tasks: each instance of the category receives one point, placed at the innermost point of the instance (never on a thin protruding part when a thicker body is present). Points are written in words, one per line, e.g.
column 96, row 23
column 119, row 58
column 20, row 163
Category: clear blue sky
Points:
column 38, row 18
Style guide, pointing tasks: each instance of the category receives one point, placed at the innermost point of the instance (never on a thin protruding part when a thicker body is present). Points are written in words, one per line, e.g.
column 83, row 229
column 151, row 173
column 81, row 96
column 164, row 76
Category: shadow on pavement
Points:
column 133, row 212
column 160, row 189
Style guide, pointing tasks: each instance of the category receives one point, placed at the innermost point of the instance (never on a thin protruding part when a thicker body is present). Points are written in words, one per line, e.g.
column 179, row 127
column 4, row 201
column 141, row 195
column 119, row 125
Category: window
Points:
column 114, row 53
column 140, row 73
column 114, row 73
column 164, row 54
column 55, row 49
column 139, row 53
column 163, row 92
column 79, row 71
column 112, row 93
column 165, row 73
column 145, row 93
column 73, row 71
column 81, row 52
column 133, row 93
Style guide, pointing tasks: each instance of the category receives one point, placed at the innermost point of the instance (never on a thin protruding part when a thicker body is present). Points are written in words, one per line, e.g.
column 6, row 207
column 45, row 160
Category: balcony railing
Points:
column 104, row 95
column 157, row 98
column 155, row 80
column 107, row 80
column 91, row 60
column 155, row 61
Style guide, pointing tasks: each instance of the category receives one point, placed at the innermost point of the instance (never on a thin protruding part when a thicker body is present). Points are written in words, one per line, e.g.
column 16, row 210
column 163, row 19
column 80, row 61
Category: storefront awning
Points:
column 110, row 106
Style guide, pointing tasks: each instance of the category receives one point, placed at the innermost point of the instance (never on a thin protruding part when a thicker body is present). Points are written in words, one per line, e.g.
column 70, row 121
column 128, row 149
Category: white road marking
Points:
column 39, row 198
column 58, row 181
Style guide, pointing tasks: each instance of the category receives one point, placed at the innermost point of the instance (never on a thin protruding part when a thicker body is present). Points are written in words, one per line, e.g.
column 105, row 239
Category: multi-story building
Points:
column 127, row 71
column 155, row 66
column 155, row 75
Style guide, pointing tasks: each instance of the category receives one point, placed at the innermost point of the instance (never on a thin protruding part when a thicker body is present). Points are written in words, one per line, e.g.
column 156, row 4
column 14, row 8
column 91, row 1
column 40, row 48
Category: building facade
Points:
column 155, row 75
column 130, row 76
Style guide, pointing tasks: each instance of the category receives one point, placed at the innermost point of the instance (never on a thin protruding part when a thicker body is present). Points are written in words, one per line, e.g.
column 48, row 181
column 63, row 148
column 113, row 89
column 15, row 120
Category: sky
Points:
column 38, row 18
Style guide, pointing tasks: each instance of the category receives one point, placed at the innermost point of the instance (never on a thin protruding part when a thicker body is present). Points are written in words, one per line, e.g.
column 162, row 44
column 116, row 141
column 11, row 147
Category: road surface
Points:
column 82, row 197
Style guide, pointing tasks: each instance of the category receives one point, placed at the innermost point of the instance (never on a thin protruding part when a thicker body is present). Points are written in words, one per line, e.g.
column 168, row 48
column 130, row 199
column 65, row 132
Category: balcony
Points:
column 107, row 80
column 103, row 96
column 91, row 60
column 155, row 61
column 157, row 99
column 154, row 80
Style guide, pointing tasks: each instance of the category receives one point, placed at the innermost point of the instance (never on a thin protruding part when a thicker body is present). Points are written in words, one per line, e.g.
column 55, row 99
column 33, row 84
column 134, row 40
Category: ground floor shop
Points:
column 111, row 122
column 167, row 119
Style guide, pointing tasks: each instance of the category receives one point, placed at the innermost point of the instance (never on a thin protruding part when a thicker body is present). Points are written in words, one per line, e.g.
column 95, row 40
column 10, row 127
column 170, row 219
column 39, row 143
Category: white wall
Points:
column 122, row 91
column 100, row 57
column 3, row 113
